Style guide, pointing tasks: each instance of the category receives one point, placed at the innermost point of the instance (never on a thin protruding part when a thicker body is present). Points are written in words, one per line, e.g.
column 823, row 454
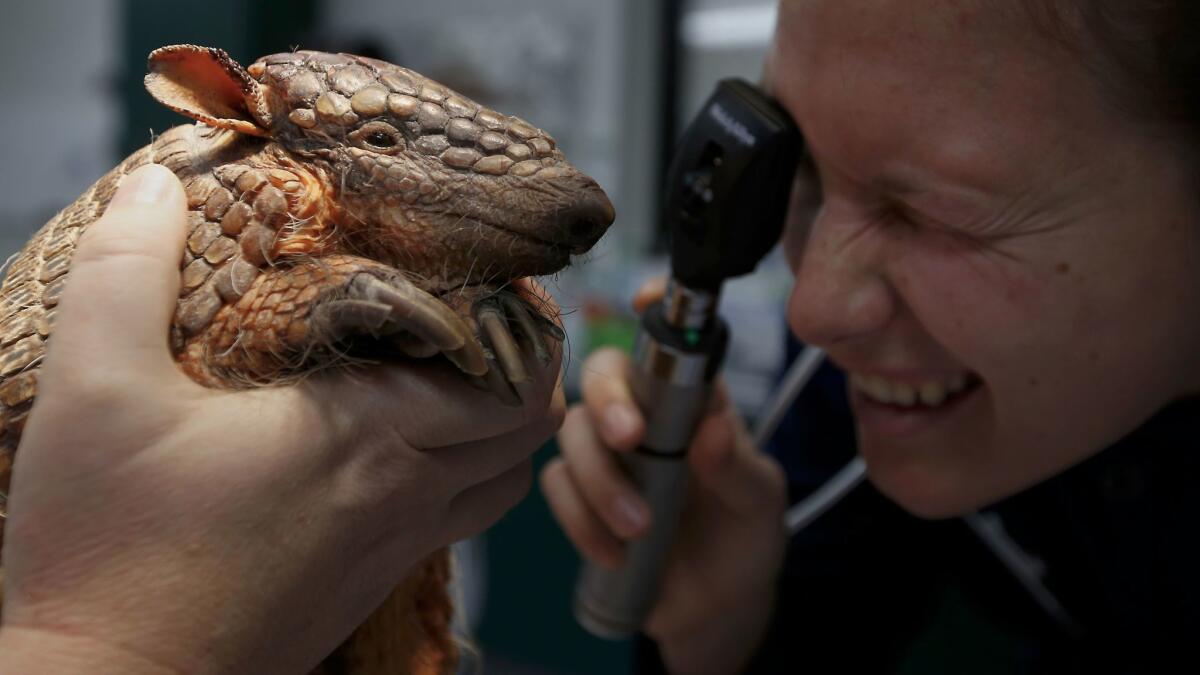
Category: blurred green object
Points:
column 527, row 621
column 610, row 330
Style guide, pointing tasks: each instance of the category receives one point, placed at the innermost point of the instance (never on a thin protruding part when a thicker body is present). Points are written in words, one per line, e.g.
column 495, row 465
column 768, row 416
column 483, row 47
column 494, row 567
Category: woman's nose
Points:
column 841, row 292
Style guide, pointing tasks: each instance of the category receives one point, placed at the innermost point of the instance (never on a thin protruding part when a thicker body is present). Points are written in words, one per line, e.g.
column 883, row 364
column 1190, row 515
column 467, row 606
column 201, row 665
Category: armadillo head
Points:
column 415, row 174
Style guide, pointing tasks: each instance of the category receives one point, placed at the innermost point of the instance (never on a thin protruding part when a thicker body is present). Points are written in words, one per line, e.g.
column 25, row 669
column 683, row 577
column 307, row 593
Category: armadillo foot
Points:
column 492, row 335
column 510, row 331
column 413, row 320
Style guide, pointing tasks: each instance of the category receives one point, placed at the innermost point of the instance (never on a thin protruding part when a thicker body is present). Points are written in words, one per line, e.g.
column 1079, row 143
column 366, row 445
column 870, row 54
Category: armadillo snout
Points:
column 587, row 220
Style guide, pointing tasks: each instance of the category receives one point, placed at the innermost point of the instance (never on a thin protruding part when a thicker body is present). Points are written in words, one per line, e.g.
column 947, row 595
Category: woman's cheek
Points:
column 978, row 306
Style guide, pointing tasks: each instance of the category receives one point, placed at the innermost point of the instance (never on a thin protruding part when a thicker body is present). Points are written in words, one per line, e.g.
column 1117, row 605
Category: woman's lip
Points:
column 896, row 421
column 913, row 376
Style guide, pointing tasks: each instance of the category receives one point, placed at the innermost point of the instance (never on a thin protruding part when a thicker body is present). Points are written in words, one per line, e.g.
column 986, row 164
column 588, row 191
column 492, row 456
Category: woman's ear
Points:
column 205, row 84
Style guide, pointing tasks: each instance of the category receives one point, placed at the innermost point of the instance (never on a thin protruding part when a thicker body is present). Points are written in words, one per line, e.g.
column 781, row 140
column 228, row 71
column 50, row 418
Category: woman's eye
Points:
column 380, row 139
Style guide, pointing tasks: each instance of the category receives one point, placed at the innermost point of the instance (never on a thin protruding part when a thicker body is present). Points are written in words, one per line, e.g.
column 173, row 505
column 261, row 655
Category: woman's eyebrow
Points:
column 938, row 195
column 910, row 180
column 897, row 185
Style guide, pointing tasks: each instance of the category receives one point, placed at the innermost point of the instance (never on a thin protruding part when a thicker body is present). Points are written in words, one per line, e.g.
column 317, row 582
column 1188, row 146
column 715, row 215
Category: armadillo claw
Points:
column 413, row 310
column 500, row 386
column 411, row 345
column 343, row 317
column 512, row 332
column 428, row 319
column 469, row 358
column 412, row 320
column 552, row 329
column 504, row 347
column 529, row 330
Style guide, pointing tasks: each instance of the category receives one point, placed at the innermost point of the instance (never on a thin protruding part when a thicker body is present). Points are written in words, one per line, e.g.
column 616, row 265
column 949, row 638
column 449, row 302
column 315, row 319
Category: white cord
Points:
column 1027, row 570
column 798, row 375
column 823, row 498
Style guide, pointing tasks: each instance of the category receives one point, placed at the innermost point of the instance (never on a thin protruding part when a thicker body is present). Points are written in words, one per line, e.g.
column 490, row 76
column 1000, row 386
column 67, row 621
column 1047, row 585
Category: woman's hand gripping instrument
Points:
column 727, row 194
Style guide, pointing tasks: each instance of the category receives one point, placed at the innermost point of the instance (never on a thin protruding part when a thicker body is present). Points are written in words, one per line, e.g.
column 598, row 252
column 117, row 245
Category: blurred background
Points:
column 614, row 81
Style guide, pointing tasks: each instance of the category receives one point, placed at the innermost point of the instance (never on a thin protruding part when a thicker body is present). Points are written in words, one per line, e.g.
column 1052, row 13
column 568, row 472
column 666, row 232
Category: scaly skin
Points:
column 336, row 202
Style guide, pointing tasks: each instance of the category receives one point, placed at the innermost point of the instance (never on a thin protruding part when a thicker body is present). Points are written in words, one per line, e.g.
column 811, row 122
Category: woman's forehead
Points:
column 962, row 83
column 965, row 42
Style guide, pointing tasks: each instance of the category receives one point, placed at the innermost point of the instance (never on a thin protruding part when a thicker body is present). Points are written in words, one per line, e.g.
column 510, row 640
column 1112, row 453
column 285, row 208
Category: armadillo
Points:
column 335, row 201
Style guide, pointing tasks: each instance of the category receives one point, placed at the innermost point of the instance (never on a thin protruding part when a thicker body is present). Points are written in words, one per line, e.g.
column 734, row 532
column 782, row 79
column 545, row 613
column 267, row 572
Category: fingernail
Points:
column 620, row 421
column 148, row 184
column 630, row 516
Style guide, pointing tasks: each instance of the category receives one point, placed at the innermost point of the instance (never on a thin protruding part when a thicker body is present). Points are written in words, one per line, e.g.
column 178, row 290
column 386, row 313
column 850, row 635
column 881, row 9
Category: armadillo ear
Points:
column 205, row 84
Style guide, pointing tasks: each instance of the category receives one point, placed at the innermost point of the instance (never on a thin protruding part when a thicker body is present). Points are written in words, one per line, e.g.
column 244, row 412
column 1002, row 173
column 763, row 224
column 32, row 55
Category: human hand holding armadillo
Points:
column 340, row 209
column 175, row 526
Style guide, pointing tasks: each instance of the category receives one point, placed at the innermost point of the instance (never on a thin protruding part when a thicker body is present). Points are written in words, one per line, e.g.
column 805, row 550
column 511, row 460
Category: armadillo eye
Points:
column 380, row 139
column 378, row 136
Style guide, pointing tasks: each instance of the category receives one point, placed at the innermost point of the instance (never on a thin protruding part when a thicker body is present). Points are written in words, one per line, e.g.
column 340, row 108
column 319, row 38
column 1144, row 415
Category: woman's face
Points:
column 1007, row 267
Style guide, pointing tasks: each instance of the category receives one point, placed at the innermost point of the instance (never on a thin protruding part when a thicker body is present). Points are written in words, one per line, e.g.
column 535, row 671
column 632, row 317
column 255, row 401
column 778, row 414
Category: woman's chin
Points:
column 921, row 457
column 930, row 480
column 920, row 492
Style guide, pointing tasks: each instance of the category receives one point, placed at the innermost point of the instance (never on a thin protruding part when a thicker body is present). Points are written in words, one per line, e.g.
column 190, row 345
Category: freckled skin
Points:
column 984, row 209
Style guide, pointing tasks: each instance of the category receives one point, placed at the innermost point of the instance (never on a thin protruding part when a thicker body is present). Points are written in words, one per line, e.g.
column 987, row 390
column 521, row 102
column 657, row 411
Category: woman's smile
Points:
column 902, row 407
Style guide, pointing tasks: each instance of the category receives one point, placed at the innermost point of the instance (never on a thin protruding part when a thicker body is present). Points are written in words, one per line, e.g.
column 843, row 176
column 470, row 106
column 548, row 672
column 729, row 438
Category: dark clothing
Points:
column 868, row 588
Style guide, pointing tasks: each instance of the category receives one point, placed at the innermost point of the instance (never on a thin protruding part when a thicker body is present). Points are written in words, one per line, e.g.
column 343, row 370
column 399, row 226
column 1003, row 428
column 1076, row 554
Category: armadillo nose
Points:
column 588, row 220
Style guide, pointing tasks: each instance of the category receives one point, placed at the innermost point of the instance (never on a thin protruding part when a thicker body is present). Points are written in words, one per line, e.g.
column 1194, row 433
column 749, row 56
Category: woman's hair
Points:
column 1146, row 53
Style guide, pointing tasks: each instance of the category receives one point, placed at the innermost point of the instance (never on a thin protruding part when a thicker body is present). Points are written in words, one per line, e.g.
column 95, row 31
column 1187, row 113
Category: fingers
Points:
column 650, row 292
column 601, row 482
column 124, row 281
column 594, row 540
column 588, row 492
column 479, row 507
column 609, row 400
column 537, row 296
column 726, row 464
column 478, row 461
column 427, row 405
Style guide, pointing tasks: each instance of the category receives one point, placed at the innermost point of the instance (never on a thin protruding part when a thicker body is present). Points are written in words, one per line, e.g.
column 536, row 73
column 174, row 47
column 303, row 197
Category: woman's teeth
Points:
column 931, row 393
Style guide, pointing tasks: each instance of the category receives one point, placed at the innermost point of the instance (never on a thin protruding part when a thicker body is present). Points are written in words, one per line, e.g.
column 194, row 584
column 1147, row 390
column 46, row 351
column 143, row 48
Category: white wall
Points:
column 59, row 115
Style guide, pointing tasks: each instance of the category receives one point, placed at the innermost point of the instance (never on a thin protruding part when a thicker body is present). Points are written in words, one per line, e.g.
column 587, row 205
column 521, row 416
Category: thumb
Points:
column 726, row 464
column 123, row 283
column 648, row 293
